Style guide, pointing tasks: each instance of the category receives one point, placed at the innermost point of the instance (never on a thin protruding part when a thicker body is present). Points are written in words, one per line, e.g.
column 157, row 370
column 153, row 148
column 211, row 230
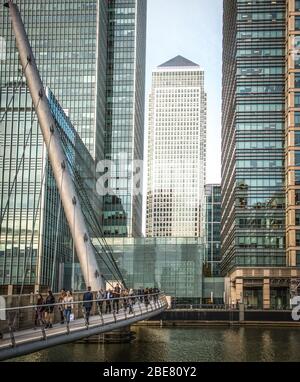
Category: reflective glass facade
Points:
column 57, row 242
column 124, row 127
column 172, row 264
column 253, row 171
column 63, row 36
column 212, row 229
column 293, row 134
column 48, row 246
column 91, row 54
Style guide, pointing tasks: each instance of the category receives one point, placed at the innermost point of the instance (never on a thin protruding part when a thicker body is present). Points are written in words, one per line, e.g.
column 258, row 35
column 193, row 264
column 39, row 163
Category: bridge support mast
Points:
column 58, row 160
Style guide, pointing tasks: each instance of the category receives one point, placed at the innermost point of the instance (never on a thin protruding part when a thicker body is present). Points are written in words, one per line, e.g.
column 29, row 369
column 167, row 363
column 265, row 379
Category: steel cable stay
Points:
column 34, row 221
column 114, row 271
column 93, row 228
column 56, row 238
column 20, row 160
column 19, row 82
column 64, row 137
column 80, row 189
column 88, row 209
column 11, row 191
column 107, row 249
column 17, row 171
column 108, row 255
column 15, row 177
column 118, row 274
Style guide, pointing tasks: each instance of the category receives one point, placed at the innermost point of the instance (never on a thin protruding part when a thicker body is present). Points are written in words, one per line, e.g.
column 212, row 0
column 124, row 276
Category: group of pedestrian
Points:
column 44, row 308
column 108, row 301
column 112, row 298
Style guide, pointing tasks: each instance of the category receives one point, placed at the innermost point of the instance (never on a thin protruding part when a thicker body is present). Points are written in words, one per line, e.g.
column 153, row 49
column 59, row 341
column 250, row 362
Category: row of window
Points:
column 261, row 16
column 261, row 242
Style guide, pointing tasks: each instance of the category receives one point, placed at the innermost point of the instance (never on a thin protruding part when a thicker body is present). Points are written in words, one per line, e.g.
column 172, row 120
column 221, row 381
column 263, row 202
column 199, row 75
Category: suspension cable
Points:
column 35, row 218
column 16, row 175
column 86, row 201
column 93, row 229
column 19, row 82
column 56, row 237
column 119, row 277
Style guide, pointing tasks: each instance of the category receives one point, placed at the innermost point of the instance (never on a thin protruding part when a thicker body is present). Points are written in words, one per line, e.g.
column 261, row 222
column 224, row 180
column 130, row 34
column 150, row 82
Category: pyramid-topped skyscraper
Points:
column 176, row 150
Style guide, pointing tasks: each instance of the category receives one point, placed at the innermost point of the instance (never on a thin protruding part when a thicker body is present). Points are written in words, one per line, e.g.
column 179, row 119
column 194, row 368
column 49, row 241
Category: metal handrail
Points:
column 80, row 302
column 138, row 309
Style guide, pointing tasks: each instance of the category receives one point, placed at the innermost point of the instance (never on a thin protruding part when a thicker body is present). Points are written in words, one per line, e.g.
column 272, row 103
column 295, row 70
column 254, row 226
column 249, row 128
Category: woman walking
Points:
column 68, row 306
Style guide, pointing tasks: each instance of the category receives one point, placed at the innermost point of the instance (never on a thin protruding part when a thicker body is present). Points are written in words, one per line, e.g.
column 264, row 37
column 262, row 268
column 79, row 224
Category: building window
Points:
column 297, row 258
column 297, row 217
column 297, row 197
column 297, row 177
column 297, row 5
column 297, row 80
column 297, row 238
column 297, row 138
column 297, row 118
column 297, row 99
column 297, row 158
column 297, row 23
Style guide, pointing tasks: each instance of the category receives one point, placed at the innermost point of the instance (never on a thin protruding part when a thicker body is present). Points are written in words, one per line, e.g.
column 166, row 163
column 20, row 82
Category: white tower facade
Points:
column 176, row 150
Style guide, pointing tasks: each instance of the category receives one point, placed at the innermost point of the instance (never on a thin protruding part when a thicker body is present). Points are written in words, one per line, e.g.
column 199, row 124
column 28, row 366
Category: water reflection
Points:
column 187, row 345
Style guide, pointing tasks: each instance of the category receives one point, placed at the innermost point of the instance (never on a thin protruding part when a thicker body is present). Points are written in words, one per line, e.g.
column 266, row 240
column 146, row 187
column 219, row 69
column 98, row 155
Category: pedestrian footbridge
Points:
column 20, row 336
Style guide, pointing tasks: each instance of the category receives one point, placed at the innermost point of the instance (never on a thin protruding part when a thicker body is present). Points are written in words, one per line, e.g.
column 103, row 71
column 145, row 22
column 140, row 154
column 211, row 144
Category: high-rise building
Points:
column 253, row 233
column 91, row 54
column 212, row 229
column 124, row 126
column 176, row 150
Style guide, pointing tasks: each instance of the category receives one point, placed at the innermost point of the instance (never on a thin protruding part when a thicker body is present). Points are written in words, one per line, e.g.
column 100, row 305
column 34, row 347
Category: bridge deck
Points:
column 30, row 340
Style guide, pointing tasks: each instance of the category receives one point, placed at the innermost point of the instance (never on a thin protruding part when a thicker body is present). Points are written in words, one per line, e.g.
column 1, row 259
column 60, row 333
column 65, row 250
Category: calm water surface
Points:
column 185, row 344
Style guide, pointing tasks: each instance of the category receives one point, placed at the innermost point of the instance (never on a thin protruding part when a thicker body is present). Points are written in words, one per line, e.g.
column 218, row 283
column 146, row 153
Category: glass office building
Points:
column 174, row 265
column 88, row 72
column 63, row 36
column 253, row 232
column 36, row 252
column 212, row 229
column 124, row 126
column 176, row 150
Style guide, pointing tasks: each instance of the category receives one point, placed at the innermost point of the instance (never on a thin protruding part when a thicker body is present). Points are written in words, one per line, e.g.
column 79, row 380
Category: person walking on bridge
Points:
column 61, row 306
column 116, row 294
column 87, row 304
column 49, row 309
column 100, row 297
column 39, row 311
column 68, row 306
column 108, row 297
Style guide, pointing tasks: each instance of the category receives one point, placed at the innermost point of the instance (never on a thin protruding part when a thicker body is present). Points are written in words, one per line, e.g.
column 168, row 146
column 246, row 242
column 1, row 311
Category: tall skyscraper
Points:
column 91, row 54
column 254, row 206
column 124, row 126
column 176, row 150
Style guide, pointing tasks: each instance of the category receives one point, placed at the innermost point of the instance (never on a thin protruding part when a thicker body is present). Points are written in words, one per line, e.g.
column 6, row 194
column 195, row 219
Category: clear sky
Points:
column 193, row 29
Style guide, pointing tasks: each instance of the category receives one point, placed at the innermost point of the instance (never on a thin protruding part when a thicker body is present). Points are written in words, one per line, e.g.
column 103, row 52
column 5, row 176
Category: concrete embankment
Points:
column 199, row 317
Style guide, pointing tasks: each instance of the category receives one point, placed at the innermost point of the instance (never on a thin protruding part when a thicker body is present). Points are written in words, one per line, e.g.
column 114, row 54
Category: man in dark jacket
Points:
column 87, row 304
column 49, row 309
column 116, row 294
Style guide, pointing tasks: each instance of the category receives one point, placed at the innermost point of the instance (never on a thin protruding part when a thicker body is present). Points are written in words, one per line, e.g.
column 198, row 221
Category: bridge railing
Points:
column 23, row 319
column 203, row 306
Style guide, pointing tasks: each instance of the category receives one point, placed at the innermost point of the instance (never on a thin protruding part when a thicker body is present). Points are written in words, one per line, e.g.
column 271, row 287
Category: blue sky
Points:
column 193, row 29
